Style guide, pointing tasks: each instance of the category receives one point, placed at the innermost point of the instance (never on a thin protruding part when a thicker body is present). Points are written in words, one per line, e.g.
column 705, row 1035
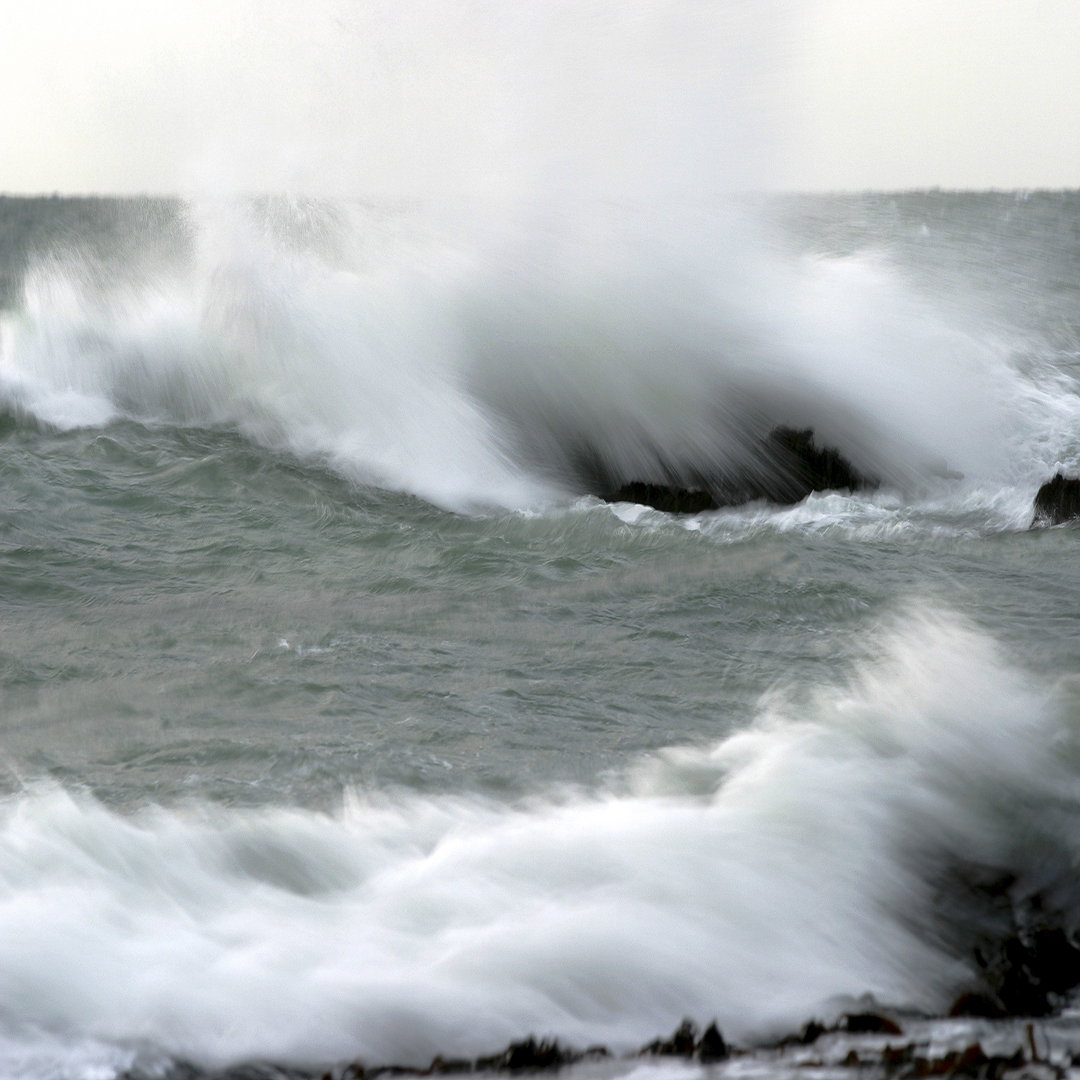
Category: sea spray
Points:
column 422, row 359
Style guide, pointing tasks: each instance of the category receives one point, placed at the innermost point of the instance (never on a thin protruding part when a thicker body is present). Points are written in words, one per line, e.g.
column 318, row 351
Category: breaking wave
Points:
column 826, row 851
column 509, row 366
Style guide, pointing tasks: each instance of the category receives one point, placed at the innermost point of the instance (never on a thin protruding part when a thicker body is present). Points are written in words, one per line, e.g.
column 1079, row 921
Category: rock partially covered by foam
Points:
column 1058, row 501
column 671, row 500
column 789, row 467
column 1034, row 973
column 684, row 1042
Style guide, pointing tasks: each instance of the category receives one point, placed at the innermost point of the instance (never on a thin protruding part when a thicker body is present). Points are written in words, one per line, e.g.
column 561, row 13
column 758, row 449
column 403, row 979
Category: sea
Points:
column 342, row 721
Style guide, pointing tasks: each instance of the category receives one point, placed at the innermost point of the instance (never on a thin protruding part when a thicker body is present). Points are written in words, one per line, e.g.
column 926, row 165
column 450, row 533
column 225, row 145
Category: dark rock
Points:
column 893, row 1056
column 712, row 1046
column 811, row 1032
column 810, row 468
column 1022, row 938
column 681, row 1043
column 174, row 1070
column 970, row 1061
column 671, row 500
column 260, row 1070
column 685, row 1043
column 1031, row 973
column 871, row 1024
column 1057, row 501
column 444, row 1067
column 996, row 1065
column 977, row 1004
column 529, row 1054
column 787, row 467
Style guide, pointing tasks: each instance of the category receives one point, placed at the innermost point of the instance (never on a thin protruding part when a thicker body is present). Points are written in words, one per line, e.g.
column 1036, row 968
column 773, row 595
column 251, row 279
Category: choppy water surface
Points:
column 339, row 721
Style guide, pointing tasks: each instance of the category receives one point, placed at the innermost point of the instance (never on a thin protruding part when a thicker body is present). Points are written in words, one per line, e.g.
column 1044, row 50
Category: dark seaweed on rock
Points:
column 789, row 466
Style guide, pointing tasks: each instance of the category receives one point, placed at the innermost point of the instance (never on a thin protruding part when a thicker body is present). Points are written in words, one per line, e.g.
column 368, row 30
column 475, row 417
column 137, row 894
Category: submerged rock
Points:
column 788, row 467
column 1058, row 501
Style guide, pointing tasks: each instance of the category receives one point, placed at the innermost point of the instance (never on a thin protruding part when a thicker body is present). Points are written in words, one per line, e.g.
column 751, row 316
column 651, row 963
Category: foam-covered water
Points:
column 341, row 721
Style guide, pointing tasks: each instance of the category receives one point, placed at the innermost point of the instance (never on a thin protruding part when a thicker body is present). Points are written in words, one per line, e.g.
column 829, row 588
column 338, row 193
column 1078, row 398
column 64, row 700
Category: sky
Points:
column 377, row 98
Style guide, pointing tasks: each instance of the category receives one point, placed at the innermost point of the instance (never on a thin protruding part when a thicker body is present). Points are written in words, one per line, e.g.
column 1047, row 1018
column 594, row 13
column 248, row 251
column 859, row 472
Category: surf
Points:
column 410, row 351
column 831, row 849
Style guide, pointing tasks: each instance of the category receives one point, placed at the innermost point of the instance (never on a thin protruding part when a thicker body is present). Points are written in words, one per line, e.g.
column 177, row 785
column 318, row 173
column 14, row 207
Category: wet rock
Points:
column 1057, row 501
column 811, row 1032
column 811, row 468
column 671, row 500
column 894, row 1056
column 977, row 1004
column 870, row 1024
column 446, row 1067
column 789, row 466
column 529, row 1054
column 258, row 1070
column 353, row 1071
column 1024, row 940
column 969, row 1061
column 681, row 1044
column 1032, row 972
column 685, row 1043
column 712, row 1046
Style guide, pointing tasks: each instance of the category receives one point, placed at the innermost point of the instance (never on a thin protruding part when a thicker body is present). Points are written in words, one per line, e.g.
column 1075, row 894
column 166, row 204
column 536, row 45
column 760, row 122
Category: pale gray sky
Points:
column 372, row 97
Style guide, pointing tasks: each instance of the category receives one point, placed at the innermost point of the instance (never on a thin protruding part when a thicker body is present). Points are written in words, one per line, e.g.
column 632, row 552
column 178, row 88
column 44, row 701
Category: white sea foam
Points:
column 753, row 881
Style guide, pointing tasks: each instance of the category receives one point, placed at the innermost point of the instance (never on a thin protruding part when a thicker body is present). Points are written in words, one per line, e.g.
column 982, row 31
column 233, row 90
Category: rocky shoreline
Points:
column 865, row 1045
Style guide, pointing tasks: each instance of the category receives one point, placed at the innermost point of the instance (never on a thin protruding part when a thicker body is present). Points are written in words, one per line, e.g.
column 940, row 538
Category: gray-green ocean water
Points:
column 337, row 721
